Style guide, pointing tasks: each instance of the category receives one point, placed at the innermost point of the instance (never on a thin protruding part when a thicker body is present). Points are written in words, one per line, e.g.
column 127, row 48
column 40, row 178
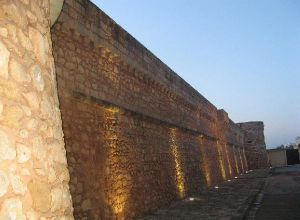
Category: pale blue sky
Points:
column 242, row 55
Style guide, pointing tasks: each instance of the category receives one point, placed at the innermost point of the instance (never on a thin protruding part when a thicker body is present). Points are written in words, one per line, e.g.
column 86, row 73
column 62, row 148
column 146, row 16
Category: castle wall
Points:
column 255, row 145
column 137, row 135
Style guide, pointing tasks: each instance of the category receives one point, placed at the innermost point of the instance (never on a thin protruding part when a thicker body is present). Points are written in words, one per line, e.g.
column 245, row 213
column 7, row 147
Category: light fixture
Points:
column 216, row 187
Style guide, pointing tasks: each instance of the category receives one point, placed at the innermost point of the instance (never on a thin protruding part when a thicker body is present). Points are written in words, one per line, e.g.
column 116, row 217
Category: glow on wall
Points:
column 228, row 160
column 245, row 160
column 118, row 177
column 235, row 159
column 220, row 160
column 241, row 159
column 205, row 166
column 178, row 169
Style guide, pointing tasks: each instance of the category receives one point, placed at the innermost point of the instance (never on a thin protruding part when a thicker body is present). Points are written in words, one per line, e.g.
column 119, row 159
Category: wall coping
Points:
column 55, row 10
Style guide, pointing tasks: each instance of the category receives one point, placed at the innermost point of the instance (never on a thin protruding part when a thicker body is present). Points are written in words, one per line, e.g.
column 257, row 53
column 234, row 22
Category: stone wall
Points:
column 137, row 135
column 33, row 167
column 255, row 145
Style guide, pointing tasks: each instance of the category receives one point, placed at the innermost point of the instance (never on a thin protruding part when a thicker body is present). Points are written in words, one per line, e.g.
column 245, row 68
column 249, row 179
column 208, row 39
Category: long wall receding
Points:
column 138, row 137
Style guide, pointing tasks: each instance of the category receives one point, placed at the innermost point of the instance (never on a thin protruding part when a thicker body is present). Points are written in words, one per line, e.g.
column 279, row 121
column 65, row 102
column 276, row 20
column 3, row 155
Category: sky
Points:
column 242, row 55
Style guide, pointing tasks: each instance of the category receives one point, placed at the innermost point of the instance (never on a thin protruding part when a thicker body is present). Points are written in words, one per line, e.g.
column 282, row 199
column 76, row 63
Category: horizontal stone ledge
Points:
column 107, row 104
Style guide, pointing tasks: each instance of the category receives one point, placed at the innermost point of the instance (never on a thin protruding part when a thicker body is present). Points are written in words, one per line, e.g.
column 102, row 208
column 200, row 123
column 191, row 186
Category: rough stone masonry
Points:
column 136, row 136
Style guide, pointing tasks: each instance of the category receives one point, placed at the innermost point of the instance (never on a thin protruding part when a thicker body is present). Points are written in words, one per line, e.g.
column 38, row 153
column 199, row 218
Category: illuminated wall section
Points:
column 241, row 159
column 118, row 177
column 221, row 160
column 244, row 159
column 138, row 137
column 204, row 161
column 177, row 160
column 236, row 159
column 228, row 160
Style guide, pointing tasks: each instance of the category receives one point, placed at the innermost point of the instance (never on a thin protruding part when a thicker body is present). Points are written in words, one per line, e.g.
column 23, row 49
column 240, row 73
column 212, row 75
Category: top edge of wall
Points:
column 93, row 14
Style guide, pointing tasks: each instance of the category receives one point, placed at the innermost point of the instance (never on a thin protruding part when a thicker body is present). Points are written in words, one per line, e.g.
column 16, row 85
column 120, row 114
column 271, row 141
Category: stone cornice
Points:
column 55, row 9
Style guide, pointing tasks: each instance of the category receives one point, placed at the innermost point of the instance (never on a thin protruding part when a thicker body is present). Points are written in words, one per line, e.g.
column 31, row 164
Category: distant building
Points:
column 282, row 157
column 297, row 140
column 285, row 154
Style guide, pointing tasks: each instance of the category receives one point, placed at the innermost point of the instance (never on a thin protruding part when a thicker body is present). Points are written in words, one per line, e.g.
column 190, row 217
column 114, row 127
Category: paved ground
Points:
column 254, row 196
column 230, row 201
column 281, row 196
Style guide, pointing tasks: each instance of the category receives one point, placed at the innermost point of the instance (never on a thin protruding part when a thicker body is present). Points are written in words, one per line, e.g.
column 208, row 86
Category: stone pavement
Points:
column 281, row 195
column 232, row 200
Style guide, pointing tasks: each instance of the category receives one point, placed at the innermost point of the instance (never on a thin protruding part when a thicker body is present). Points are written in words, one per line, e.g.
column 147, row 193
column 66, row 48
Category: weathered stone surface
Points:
column 4, row 58
column 12, row 209
column 26, row 2
column 25, row 56
column 23, row 153
column 86, row 205
column 60, row 198
column 4, row 183
column 41, row 195
column 12, row 30
column 57, row 198
column 32, row 124
column 28, row 116
column 9, row 90
column 31, row 17
column 57, row 151
column 37, row 76
column 32, row 100
column 18, row 72
column 32, row 216
column 23, row 133
column 1, row 109
column 46, row 108
column 13, row 13
column 3, row 32
column 24, row 40
column 52, row 175
column 17, row 184
column 39, row 150
column 39, row 47
column 26, row 110
column 7, row 150
column 25, row 172
column 13, row 115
